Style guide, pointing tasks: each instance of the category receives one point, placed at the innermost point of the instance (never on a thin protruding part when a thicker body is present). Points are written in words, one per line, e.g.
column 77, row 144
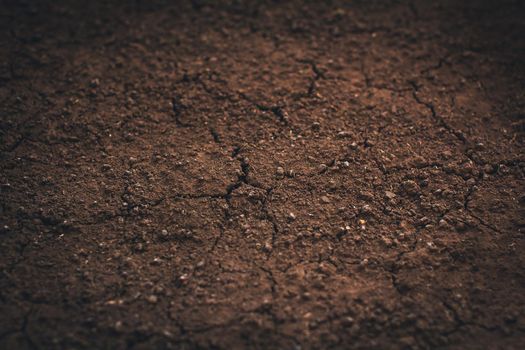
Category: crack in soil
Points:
column 441, row 121
column 318, row 74
column 177, row 108
column 423, row 243
column 278, row 111
column 22, row 330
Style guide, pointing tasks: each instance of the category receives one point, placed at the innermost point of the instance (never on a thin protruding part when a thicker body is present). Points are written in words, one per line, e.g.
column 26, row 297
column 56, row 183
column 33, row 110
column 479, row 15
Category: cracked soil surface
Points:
column 262, row 174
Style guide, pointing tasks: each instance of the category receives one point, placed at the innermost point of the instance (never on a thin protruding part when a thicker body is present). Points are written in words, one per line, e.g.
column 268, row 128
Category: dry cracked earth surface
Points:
column 262, row 174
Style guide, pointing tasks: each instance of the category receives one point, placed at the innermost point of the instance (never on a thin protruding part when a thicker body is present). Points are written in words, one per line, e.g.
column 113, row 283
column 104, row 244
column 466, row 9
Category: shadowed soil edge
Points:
column 262, row 174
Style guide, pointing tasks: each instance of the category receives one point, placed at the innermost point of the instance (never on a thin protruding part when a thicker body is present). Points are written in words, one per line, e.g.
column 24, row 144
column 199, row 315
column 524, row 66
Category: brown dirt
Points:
column 262, row 174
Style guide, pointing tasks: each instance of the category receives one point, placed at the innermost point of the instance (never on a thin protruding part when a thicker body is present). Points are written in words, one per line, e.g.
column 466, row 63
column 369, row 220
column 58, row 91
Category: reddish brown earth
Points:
column 262, row 174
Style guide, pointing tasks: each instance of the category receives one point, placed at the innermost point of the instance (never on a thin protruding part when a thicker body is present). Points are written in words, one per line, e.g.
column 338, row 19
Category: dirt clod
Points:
column 410, row 187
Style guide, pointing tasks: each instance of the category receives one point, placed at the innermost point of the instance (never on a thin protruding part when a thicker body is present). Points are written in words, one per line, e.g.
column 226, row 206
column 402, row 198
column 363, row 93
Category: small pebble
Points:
column 343, row 134
column 152, row 299
column 347, row 321
column 390, row 195
column 325, row 199
column 471, row 182
column 488, row 169
column 362, row 224
column 94, row 83
column 366, row 209
column 424, row 221
column 118, row 326
column 279, row 172
column 443, row 223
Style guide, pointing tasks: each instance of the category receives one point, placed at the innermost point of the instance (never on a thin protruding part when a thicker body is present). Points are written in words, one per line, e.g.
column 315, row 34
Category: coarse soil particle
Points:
column 262, row 174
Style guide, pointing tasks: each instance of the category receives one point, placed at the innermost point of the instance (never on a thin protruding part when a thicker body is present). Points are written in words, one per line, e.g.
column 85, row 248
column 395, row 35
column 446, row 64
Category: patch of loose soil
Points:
column 262, row 174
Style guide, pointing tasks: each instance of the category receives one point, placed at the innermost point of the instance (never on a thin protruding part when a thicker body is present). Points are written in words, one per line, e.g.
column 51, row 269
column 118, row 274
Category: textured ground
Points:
column 262, row 174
